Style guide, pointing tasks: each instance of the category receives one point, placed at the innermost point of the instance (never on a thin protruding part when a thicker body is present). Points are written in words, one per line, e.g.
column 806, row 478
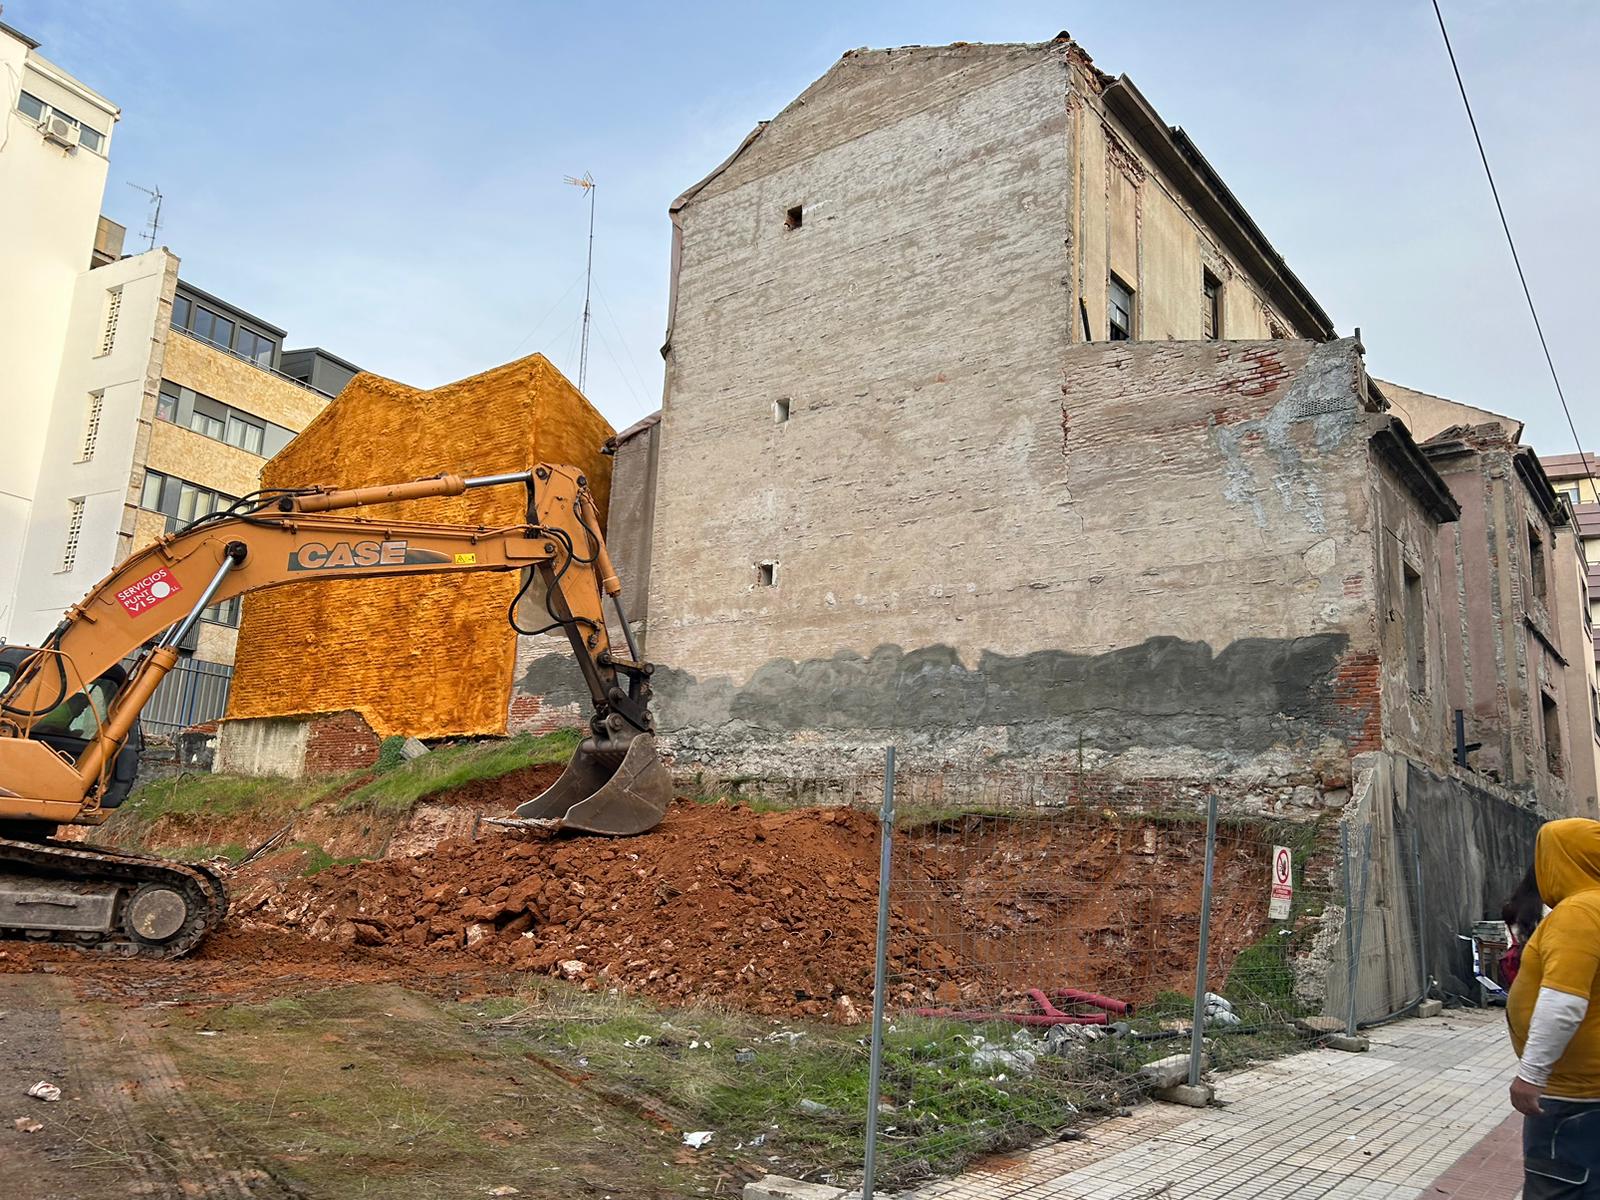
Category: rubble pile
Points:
column 774, row 912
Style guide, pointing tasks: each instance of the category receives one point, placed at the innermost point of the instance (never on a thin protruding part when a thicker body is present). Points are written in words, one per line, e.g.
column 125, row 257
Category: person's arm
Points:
column 1556, row 1017
column 1570, row 957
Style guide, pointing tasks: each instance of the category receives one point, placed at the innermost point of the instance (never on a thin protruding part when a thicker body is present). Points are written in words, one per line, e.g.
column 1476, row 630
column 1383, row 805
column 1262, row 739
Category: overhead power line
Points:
column 1583, row 457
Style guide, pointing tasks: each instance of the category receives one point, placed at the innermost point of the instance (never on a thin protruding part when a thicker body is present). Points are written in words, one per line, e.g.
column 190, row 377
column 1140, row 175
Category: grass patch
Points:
column 232, row 851
column 799, row 1090
column 318, row 859
column 206, row 795
column 447, row 767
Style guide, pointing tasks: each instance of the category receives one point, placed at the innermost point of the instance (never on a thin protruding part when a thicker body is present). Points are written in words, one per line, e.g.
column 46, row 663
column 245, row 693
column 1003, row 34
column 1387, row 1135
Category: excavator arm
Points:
column 274, row 539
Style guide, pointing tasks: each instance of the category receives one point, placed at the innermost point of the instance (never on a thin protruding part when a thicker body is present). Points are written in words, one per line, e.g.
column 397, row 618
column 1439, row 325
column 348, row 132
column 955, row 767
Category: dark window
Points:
column 1416, row 631
column 255, row 347
column 31, row 106
column 167, row 401
column 767, row 574
column 794, row 216
column 180, row 312
column 1536, row 563
column 1211, row 301
column 226, row 613
column 780, row 410
column 217, row 330
column 1119, row 301
column 1552, row 734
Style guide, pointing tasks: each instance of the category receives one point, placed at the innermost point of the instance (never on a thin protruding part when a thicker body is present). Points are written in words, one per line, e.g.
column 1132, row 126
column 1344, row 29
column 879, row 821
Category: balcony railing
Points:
column 245, row 358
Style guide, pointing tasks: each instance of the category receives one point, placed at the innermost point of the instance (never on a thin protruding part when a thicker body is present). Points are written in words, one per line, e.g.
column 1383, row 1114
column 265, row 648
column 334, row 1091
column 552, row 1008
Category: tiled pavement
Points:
column 1389, row 1124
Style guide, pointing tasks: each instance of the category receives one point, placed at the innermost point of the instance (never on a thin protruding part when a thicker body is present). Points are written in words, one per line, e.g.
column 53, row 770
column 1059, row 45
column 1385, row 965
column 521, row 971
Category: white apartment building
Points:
column 55, row 134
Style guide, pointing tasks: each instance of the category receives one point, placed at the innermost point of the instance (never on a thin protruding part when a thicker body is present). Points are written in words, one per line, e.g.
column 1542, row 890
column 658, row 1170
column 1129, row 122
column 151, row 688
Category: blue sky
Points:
column 385, row 179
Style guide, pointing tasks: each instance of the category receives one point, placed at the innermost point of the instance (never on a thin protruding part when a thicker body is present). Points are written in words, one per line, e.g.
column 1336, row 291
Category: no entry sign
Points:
column 1282, row 884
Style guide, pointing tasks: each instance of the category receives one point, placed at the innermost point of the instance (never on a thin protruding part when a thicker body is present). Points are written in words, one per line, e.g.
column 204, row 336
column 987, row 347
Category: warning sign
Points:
column 1282, row 884
column 148, row 592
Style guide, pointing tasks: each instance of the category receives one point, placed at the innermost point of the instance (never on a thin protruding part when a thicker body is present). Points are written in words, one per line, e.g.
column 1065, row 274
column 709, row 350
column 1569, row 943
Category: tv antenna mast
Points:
column 153, row 225
column 588, row 185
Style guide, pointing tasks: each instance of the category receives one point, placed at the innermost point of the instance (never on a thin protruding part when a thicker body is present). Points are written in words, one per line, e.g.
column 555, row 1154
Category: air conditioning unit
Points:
column 59, row 130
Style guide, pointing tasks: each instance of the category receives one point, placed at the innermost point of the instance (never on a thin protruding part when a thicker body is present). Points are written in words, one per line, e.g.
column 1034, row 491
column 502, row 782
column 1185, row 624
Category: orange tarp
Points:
column 429, row 657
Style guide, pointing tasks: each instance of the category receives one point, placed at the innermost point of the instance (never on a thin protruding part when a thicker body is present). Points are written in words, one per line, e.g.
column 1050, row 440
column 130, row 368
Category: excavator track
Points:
column 112, row 901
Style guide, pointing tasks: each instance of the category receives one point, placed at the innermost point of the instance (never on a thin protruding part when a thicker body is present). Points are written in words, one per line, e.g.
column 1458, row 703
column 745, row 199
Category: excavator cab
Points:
column 71, row 725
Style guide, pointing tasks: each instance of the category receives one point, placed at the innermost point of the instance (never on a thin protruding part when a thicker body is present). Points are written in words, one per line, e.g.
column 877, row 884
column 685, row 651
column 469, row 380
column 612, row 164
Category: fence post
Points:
column 1197, row 1033
column 1355, row 917
column 1421, row 917
column 880, row 972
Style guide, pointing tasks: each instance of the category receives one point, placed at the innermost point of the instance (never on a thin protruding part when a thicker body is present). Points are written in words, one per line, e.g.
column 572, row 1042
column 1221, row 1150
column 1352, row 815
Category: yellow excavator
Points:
column 69, row 709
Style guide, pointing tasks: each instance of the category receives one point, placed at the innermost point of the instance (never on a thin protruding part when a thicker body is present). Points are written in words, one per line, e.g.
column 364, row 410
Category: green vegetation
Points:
column 391, row 754
column 449, row 767
column 197, row 795
column 318, row 859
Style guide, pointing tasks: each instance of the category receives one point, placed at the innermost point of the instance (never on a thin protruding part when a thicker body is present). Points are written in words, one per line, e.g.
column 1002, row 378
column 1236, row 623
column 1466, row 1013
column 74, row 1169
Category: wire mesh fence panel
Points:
column 192, row 693
column 1043, row 951
column 1281, row 938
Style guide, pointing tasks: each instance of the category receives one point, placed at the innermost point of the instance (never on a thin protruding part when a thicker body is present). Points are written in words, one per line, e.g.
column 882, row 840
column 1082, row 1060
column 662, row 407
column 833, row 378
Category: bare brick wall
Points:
column 338, row 743
column 431, row 657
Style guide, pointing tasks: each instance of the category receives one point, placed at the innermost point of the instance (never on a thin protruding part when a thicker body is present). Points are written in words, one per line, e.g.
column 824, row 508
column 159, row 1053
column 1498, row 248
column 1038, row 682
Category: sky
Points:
column 385, row 180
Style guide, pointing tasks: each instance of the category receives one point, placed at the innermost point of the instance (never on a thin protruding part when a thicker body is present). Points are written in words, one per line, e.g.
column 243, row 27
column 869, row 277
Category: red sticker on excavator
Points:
column 149, row 591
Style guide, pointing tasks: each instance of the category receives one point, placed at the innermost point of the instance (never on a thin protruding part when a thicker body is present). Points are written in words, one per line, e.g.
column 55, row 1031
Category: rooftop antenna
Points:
column 588, row 185
column 153, row 225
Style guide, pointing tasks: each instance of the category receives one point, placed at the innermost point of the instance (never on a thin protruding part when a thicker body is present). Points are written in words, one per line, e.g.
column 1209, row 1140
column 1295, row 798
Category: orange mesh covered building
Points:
column 324, row 670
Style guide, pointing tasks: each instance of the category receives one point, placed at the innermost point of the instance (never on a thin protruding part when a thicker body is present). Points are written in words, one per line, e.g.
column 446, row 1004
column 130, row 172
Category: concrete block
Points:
column 1320, row 1026
column 412, row 748
column 1430, row 1008
column 781, row 1187
column 1193, row 1095
column 1341, row 1041
column 1168, row 1072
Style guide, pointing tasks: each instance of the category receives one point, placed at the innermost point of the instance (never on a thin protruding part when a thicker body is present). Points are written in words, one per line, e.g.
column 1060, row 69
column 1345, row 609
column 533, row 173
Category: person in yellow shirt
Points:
column 1554, row 1015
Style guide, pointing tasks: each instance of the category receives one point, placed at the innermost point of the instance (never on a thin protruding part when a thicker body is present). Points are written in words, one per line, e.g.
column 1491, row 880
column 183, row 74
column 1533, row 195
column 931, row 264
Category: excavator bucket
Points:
column 606, row 790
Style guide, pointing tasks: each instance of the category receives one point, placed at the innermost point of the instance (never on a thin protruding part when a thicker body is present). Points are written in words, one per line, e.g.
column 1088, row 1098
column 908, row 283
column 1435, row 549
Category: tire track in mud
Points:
column 162, row 1139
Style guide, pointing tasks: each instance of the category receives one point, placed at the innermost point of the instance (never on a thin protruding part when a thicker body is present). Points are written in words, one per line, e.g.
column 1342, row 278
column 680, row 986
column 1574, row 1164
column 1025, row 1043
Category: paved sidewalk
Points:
column 1390, row 1124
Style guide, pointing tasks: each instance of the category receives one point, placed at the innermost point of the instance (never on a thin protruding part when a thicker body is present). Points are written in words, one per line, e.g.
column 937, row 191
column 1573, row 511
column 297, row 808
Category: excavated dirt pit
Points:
column 768, row 912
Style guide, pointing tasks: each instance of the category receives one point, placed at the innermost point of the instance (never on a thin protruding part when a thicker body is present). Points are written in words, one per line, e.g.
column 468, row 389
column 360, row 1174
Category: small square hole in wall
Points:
column 780, row 410
column 793, row 217
column 767, row 574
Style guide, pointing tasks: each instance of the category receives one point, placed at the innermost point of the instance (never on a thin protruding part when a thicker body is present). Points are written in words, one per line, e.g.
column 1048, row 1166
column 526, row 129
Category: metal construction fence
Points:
column 1037, row 954
column 193, row 693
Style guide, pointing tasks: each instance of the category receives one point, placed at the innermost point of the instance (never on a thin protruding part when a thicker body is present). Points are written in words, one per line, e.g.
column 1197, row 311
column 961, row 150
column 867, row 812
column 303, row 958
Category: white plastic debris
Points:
column 638, row 1043
column 45, row 1091
column 505, row 1189
column 697, row 1139
column 27, row 1125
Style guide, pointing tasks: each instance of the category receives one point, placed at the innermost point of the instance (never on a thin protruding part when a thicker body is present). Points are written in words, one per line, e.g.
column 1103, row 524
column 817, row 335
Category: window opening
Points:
column 1416, row 630
column 1119, row 302
column 69, row 553
column 108, row 335
column 1211, row 294
column 91, row 426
